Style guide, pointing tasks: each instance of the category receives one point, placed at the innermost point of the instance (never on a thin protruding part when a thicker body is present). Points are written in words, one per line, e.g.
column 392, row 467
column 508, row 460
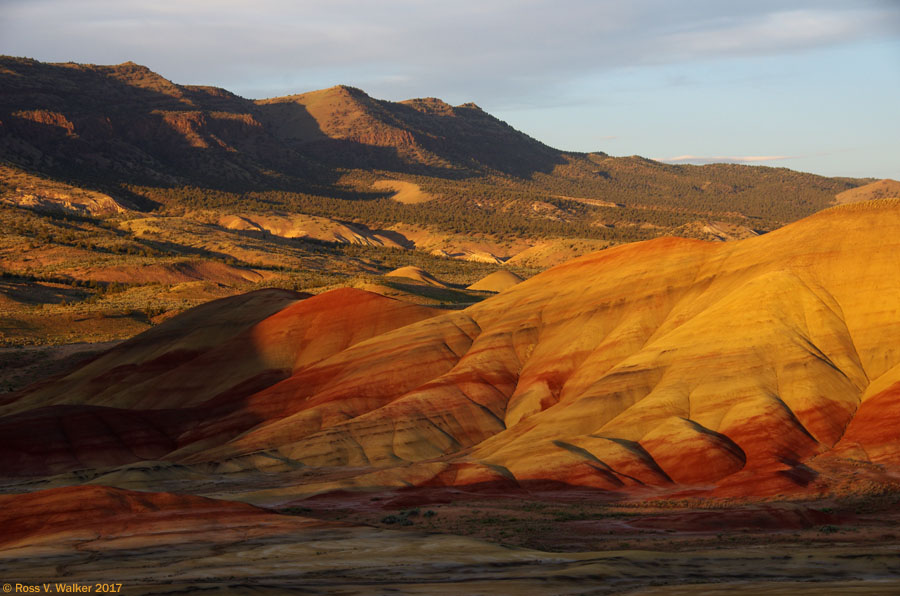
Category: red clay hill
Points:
column 752, row 368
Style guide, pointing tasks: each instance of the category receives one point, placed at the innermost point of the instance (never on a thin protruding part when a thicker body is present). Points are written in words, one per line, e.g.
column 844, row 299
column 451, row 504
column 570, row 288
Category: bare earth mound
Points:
column 405, row 192
column 496, row 282
column 416, row 274
column 882, row 189
column 173, row 273
column 307, row 226
column 546, row 254
column 34, row 192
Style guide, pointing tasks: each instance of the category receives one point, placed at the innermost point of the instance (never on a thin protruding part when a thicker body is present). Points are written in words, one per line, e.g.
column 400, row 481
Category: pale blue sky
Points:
column 809, row 85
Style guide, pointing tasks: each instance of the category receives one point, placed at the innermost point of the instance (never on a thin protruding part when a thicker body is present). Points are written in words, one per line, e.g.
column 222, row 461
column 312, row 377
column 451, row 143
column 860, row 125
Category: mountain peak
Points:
column 138, row 75
column 132, row 64
column 347, row 90
column 429, row 105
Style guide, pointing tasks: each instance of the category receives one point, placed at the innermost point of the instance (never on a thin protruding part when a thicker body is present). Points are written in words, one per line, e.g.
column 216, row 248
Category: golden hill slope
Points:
column 497, row 281
column 416, row 274
column 882, row 189
column 744, row 368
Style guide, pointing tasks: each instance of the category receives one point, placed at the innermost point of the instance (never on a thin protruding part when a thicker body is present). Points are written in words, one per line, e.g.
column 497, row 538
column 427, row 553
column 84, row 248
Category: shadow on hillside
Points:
column 468, row 135
column 29, row 292
column 180, row 250
column 457, row 145
column 364, row 230
column 37, row 441
column 448, row 296
column 84, row 125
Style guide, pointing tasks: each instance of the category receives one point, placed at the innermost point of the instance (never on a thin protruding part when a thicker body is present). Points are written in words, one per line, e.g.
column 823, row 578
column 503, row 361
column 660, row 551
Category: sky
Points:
column 809, row 85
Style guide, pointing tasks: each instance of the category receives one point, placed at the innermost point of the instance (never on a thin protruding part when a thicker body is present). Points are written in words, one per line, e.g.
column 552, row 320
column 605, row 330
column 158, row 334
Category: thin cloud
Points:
column 643, row 67
column 492, row 52
column 774, row 32
column 741, row 159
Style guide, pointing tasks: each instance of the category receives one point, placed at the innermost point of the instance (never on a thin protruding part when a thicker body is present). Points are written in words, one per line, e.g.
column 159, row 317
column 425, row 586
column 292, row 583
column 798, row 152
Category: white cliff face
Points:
column 95, row 204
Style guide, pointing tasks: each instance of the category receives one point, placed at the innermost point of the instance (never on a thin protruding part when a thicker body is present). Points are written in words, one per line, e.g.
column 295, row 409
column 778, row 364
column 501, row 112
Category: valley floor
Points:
column 337, row 559
column 453, row 542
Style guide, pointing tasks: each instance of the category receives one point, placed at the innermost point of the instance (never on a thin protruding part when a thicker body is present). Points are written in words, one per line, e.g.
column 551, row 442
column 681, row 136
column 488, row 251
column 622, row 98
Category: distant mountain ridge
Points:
column 131, row 133
column 128, row 122
column 126, row 118
column 424, row 131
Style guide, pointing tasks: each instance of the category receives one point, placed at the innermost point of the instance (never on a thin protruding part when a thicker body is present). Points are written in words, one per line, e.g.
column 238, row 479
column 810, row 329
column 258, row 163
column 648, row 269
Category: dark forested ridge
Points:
column 156, row 145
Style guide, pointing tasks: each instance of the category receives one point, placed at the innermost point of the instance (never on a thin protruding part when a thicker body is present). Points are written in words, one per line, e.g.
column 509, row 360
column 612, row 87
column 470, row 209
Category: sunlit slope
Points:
column 416, row 274
column 708, row 360
column 881, row 189
column 497, row 281
column 667, row 361
column 671, row 363
column 188, row 380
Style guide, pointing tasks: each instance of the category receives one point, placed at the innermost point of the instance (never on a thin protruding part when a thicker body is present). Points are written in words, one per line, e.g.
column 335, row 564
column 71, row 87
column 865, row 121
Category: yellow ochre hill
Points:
column 746, row 369
column 497, row 281
column 882, row 189
column 416, row 274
